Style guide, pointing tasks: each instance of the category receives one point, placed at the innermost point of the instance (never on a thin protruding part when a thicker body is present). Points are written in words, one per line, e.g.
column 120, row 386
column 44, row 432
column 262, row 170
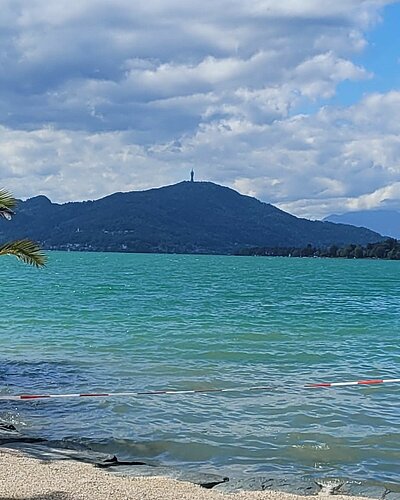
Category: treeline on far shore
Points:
column 388, row 249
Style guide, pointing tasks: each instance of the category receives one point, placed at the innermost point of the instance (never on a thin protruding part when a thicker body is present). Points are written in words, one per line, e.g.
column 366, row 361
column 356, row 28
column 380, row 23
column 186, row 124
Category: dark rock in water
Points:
column 298, row 486
column 4, row 426
column 249, row 484
column 141, row 469
column 18, row 438
column 51, row 451
column 9, row 434
column 202, row 478
column 144, row 471
column 259, row 483
column 363, row 490
column 113, row 461
column 392, row 495
column 8, row 431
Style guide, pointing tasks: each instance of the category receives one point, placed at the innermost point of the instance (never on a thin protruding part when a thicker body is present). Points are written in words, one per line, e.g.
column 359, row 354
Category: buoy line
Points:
column 29, row 397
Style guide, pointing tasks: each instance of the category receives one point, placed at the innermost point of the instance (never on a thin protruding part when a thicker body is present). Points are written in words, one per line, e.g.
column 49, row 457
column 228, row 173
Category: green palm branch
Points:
column 7, row 203
column 25, row 250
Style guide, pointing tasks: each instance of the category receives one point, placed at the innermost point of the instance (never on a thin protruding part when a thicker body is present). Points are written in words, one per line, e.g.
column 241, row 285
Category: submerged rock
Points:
column 144, row 471
column 364, row 490
column 298, row 486
column 392, row 495
column 113, row 461
column 51, row 451
column 4, row 426
column 249, row 484
column 138, row 469
column 9, row 434
column 203, row 479
column 293, row 485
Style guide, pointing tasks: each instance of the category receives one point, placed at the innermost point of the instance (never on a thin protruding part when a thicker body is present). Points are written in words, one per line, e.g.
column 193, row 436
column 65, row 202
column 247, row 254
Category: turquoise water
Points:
column 118, row 322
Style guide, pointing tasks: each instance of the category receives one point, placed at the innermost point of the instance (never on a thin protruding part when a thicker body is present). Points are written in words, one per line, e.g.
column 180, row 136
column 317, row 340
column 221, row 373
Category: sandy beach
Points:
column 24, row 477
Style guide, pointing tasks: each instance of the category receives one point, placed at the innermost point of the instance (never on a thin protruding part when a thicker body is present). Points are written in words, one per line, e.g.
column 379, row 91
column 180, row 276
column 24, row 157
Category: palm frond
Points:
column 7, row 200
column 6, row 212
column 25, row 250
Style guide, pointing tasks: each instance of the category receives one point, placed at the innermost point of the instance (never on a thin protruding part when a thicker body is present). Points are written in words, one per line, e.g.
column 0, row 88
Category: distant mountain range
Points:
column 189, row 217
column 386, row 222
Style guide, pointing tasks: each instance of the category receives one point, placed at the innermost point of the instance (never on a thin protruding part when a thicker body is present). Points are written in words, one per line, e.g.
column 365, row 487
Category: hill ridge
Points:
column 187, row 217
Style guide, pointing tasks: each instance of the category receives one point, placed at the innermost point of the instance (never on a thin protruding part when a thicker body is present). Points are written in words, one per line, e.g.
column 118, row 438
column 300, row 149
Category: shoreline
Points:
column 34, row 468
column 27, row 477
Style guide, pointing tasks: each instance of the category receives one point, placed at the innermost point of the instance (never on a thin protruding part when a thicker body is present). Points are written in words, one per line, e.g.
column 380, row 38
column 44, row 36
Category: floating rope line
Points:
column 357, row 382
column 134, row 394
column 193, row 391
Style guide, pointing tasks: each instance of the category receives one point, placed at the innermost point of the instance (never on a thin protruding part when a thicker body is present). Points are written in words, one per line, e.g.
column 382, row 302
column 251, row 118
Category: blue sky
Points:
column 294, row 102
column 380, row 57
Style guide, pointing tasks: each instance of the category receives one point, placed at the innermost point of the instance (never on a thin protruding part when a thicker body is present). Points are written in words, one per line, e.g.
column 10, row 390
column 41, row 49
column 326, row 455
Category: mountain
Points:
column 385, row 222
column 189, row 217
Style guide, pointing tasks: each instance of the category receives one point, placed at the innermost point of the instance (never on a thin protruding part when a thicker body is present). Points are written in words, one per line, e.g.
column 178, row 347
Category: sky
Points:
column 296, row 102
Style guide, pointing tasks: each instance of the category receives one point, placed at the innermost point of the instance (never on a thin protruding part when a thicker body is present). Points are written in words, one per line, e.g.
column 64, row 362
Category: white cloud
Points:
column 72, row 165
column 130, row 95
column 133, row 53
column 318, row 77
column 310, row 165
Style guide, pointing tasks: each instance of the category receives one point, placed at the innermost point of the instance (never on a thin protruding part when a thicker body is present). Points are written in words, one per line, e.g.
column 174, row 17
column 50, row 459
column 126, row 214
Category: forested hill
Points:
column 189, row 217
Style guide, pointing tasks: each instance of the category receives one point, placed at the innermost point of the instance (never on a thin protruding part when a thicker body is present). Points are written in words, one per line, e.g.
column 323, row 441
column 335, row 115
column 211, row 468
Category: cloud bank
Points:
column 97, row 97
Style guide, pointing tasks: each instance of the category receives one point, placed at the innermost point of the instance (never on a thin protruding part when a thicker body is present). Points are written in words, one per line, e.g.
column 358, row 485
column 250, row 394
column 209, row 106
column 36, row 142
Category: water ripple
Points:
column 114, row 322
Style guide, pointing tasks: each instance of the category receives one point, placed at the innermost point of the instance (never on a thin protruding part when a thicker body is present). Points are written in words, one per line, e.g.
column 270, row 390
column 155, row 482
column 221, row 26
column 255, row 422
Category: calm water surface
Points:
column 119, row 322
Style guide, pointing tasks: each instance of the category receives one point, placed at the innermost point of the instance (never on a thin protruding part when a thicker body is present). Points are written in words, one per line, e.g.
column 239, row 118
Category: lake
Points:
column 108, row 322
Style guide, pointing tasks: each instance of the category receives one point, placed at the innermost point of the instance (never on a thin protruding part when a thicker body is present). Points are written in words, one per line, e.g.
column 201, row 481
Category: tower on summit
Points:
column 192, row 176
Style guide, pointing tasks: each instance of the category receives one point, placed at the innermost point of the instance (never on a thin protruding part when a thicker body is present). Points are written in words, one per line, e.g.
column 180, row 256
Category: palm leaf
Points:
column 25, row 250
column 7, row 200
